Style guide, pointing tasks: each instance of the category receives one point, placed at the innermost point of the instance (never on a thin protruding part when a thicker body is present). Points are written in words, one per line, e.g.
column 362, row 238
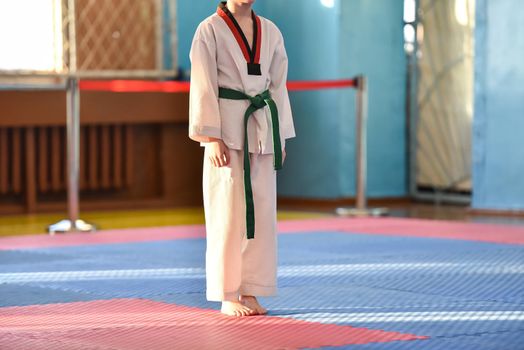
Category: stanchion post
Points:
column 73, row 143
column 73, row 223
column 361, row 155
column 361, row 139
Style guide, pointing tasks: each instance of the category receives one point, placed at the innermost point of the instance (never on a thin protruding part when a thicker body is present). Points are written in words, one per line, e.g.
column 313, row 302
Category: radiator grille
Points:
column 38, row 157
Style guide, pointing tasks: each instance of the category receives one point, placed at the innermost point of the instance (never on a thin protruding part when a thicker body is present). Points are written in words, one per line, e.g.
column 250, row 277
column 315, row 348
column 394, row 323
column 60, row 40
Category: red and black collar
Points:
column 252, row 56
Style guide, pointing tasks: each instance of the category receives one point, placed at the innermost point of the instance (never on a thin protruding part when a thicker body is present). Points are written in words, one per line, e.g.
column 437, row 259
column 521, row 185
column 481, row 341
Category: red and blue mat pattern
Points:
column 381, row 283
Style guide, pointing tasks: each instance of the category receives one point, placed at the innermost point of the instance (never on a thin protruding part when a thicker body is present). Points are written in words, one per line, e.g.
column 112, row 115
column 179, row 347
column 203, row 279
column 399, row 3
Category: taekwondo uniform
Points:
column 238, row 94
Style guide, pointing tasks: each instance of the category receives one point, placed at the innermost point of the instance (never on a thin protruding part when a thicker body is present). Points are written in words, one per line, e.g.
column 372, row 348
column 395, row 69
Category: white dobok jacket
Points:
column 218, row 60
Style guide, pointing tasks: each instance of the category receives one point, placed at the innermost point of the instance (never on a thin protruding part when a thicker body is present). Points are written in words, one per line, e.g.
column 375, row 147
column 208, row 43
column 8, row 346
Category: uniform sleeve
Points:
column 278, row 90
column 204, row 114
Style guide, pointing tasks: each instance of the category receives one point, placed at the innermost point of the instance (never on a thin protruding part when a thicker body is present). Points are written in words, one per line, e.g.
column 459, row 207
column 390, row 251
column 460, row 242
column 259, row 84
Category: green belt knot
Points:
column 257, row 102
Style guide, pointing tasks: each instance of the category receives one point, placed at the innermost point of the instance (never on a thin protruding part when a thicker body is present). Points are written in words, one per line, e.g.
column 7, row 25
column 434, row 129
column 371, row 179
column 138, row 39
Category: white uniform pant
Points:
column 235, row 265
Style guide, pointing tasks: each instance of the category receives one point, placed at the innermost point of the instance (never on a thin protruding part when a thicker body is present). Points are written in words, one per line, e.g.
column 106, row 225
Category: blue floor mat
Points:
column 463, row 294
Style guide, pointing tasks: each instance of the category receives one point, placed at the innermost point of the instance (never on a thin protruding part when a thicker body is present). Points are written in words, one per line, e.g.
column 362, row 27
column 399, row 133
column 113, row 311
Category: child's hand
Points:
column 219, row 153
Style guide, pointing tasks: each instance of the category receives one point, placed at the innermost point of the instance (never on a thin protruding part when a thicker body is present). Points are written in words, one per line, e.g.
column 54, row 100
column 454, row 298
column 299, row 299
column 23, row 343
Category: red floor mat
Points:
column 131, row 323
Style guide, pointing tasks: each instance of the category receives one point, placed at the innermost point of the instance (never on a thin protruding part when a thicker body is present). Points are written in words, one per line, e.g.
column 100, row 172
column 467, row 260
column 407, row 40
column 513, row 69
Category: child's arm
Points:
column 278, row 73
column 204, row 114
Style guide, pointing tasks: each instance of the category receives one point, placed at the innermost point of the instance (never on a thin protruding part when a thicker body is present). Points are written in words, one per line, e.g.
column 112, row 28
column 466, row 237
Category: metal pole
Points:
column 361, row 142
column 361, row 156
column 73, row 140
column 73, row 155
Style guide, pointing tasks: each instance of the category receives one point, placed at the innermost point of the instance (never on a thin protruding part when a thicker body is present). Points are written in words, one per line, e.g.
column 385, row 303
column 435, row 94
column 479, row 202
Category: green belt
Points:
column 257, row 102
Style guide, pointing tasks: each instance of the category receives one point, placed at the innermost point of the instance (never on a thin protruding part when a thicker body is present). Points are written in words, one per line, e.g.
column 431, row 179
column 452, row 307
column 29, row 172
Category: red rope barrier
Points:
column 302, row 85
column 182, row 86
column 134, row 86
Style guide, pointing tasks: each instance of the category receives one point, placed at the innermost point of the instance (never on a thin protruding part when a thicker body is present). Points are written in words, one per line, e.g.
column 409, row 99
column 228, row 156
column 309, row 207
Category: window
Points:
column 31, row 35
column 410, row 7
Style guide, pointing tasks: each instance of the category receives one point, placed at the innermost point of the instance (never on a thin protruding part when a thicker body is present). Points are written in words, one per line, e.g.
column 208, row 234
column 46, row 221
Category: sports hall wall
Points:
column 498, row 141
column 352, row 37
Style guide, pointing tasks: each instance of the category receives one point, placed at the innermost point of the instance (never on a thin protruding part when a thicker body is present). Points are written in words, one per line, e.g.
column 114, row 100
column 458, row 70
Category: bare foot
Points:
column 236, row 308
column 252, row 303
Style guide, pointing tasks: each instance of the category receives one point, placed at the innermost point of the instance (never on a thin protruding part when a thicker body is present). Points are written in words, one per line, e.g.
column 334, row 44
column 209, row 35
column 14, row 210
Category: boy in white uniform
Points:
column 240, row 111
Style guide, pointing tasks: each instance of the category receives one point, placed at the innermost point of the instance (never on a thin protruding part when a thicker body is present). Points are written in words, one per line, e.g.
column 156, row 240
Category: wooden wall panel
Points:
column 129, row 156
column 56, row 184
column 43, row 162
column 82, row 172
column 16, row 160
column 130, row 163
column 182, row 174
column 30, row 170
column 48, row 108
column 4, row 161
column 105, row 154
column 117, row 156
column 144, row 167
column 92, row 163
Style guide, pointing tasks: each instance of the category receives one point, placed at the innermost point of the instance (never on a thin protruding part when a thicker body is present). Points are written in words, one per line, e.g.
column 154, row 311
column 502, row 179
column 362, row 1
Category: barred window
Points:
column 98, row 38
